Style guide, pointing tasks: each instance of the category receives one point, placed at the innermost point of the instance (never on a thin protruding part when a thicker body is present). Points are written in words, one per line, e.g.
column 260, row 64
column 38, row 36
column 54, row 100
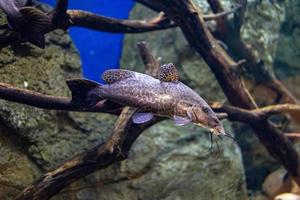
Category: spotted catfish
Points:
column 165, row 96
column 29, row 21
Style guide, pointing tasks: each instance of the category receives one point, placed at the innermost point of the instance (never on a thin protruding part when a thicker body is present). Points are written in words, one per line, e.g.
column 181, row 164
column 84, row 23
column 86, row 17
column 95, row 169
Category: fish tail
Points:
column 84, row 92
column 36, row 25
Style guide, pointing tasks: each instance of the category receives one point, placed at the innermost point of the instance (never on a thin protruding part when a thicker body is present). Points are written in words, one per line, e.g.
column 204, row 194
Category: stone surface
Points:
column 168, row 162
column 287, row 58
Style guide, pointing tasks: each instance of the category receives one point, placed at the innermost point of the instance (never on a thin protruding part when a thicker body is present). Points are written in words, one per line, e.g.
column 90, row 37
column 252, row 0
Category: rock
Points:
column 168, row 162
column 184, row 168
column 287, row 55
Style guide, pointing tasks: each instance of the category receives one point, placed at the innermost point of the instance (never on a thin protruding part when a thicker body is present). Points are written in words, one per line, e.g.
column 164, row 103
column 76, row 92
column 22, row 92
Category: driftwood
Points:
column 229, row 32
column 61, row 18
column 190, row 19
column 185, row 15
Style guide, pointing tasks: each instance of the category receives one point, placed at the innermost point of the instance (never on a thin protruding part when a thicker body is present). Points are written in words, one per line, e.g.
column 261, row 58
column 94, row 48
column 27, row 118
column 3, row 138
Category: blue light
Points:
column 98, row 50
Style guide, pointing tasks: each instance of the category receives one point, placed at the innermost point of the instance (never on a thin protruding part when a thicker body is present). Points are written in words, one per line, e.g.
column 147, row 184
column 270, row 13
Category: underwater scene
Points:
column 150, row 100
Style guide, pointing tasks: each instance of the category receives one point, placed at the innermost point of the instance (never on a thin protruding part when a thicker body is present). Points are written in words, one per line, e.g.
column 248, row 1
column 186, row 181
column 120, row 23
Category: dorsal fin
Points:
column 114, row 75
column 168, row 73
column 81, row 90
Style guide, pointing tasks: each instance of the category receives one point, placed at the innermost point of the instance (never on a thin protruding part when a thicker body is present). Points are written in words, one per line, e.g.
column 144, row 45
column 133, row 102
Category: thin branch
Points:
column 279, row 108
column 90, row 20
column 61, row 18
column 292, row 135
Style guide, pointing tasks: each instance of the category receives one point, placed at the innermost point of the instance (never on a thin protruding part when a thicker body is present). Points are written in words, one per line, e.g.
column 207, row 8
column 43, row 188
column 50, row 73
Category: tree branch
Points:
column 95, row 159
column 118, row 146
column 61, row 18
column 229, row 32
column 190, row 19
column 35, row 99
column 90, row 20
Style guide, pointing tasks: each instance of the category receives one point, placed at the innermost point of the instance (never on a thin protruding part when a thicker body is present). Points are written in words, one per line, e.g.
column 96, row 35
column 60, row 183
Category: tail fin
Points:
column 36, row 25
column 83, row 91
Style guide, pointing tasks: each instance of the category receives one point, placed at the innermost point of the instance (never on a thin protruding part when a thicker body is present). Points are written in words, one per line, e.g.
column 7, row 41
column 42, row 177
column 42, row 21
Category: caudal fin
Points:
column 36, row 25
column 84, row 92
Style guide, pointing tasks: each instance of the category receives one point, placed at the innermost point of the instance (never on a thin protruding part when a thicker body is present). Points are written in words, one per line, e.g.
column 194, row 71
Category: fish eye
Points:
column 205, row 109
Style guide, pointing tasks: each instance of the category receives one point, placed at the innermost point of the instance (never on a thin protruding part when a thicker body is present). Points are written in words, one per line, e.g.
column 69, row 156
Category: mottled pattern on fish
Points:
column 148, row 93
column 166, row 96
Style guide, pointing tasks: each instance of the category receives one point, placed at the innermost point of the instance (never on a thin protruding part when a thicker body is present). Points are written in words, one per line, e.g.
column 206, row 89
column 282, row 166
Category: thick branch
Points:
column 152, row 64
column 39, row 100
column 31, row 98
column 191, row 22
column 88, row 162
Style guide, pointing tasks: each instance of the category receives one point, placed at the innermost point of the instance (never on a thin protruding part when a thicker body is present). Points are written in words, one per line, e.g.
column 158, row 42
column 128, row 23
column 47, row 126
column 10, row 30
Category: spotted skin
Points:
column 167, row 99
column 168, row 73
column 114, row 75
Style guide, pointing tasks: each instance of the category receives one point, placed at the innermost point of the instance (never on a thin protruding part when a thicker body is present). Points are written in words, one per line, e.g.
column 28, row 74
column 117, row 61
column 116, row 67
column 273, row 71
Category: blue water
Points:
column 98, row 50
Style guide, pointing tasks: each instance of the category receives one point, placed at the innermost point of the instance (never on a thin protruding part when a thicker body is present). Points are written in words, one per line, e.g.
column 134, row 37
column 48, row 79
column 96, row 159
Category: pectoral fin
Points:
column 140, row 118
column 36, row 24
column 181, row 121
column 168, row 73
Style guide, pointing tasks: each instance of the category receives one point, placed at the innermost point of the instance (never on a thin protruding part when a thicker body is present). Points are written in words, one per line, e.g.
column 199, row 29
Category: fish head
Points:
column 202, row 115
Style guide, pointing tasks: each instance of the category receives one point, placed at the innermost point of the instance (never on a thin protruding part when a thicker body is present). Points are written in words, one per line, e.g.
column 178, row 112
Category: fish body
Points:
column 30, row 22
column 148, row 93
column 165, row 96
